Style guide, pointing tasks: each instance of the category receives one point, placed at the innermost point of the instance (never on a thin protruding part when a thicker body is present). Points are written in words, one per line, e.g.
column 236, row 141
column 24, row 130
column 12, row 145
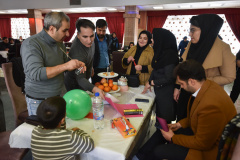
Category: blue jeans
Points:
column 32, row 105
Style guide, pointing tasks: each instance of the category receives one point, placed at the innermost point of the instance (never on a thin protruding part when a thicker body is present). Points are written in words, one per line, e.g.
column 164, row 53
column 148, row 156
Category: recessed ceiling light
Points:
column 185, row 6
column 56, row 10
column 158, row 7
column 111, row 9
column 12, row 11
column 215, row 4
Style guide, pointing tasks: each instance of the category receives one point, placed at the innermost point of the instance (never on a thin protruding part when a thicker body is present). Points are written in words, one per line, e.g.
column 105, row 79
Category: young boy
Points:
column 51, row 140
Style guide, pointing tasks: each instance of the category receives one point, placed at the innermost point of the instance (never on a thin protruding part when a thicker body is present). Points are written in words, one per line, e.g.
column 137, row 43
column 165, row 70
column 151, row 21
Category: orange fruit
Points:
column 101, row 87
column 110, row 85
column 97, row 83
column 107, row 89
column 115, row 87
column 105, row 84
column 103, row 80
column 110, row 81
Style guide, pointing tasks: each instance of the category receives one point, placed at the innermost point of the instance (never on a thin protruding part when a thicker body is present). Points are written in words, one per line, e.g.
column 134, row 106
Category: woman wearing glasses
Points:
column 214, row 54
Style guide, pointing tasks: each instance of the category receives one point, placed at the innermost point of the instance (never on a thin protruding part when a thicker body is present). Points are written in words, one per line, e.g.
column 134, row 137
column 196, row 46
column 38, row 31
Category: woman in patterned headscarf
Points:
column 214, row 54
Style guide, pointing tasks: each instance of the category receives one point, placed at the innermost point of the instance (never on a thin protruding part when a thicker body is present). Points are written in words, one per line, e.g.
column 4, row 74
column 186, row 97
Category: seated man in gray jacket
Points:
column 83, row 50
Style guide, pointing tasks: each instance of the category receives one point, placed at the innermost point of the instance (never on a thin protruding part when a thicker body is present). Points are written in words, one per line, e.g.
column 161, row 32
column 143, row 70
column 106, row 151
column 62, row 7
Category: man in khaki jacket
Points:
column 197, row 136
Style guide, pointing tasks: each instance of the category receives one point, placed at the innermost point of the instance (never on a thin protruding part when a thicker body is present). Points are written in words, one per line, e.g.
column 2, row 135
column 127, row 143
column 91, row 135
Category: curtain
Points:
column 116, row 24
column 5, row 27
column 234, row 23
column 72, row 28
column 156, row 22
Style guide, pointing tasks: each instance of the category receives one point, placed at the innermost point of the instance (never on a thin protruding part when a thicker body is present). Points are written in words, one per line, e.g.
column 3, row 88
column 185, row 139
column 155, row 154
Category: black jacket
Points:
column 97, row 51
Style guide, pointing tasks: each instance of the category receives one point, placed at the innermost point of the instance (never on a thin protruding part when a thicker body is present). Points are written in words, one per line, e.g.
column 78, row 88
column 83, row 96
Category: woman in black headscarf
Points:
column 137, row 60
column 164, row 61
column 206, row 48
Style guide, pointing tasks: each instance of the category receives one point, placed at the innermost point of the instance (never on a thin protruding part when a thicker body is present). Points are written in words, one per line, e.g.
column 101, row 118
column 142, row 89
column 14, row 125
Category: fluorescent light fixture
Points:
column 215, row 4
column 185, row 6
column 111, row 9
column 55, row 10
column 158, row 7
column 12, row 11
column 2, row 12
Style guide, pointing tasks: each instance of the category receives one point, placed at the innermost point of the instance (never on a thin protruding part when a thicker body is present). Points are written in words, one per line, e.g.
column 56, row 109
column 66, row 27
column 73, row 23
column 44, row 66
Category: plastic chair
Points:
column 17, row 97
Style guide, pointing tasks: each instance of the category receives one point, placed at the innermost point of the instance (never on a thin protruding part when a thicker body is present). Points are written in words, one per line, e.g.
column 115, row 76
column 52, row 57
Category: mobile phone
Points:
column 157, row 125
column 141, row 100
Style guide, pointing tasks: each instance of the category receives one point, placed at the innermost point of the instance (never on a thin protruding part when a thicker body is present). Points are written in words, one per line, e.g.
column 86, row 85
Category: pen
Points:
column 134, row 63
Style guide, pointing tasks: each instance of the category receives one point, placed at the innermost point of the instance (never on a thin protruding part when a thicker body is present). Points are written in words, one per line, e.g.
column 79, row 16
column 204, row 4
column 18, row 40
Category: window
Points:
column 20, row 27
column 94, row 20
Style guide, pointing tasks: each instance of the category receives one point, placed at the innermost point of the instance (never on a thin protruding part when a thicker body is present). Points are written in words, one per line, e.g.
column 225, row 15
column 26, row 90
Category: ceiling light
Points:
column 12, row 11
column 158, row 7
column 111, row 9
column 215, row 4
column 56, row 10
column 185, row 6
column 2, row 12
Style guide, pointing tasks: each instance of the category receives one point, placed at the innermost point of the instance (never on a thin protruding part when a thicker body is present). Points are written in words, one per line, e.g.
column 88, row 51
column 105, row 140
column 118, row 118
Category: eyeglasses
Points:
column 77, row 71
column 192, row 30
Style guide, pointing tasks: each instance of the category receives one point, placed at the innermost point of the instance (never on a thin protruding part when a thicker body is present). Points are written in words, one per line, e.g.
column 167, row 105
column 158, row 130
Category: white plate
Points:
column 109, row 76
column 114, row 91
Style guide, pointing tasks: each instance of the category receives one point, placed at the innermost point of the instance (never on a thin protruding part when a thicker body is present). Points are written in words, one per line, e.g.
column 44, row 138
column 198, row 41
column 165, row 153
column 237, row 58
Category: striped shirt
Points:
column 59, row 144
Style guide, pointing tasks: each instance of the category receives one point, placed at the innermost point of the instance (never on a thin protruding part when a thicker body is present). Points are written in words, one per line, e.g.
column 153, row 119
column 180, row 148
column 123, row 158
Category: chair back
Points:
column 17, row 97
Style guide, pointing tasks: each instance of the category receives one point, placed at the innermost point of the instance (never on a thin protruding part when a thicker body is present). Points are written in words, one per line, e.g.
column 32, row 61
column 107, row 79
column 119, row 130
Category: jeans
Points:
column 32, row 105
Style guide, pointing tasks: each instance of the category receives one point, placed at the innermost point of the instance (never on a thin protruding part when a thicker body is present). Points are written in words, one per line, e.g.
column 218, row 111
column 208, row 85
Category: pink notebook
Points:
column 121, row 107
column 163, row 124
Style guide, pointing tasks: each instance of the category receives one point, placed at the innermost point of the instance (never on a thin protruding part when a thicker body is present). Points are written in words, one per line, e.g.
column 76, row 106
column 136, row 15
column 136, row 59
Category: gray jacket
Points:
column 84, row 54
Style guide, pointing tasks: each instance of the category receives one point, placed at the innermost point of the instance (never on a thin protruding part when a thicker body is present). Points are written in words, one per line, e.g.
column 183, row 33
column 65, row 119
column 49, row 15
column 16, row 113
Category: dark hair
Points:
column 130, row 44
column 101, row 23
column 51, row 111
column 85, row 23
column 4, row 38
column 55, row 19
column 190, row 69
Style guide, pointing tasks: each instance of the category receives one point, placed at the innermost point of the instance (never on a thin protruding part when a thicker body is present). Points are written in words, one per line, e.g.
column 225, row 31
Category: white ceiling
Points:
column 21, row 6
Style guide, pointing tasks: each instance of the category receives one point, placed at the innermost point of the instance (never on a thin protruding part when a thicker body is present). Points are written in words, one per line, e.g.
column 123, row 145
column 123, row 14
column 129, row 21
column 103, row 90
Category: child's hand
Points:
column 75, row 128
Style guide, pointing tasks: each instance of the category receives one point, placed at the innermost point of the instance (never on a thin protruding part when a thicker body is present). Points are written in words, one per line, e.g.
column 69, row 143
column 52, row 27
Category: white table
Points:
column 109, row 143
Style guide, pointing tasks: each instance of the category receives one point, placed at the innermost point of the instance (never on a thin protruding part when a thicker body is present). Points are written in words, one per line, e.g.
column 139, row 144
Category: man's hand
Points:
column 167, row 135
column 130, row 59
column 138, row 67
column 74, row 64
column 147, row 87
column 176, row 94
column 101, row 93
column 174, row 126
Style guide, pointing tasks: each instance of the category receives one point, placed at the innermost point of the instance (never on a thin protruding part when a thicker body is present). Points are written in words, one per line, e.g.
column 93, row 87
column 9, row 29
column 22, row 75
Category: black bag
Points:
column 133, row 80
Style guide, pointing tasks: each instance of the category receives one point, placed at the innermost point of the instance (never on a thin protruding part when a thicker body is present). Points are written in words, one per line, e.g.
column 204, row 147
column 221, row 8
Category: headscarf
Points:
column 210, row 25
column 165, row 48
column 141, row 49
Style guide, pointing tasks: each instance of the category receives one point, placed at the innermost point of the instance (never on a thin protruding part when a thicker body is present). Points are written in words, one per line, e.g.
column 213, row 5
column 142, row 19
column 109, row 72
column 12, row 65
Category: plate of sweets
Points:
column 108, row 86
column 107, row 74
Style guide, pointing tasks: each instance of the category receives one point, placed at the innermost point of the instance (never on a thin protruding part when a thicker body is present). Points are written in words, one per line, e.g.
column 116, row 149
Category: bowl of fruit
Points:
column 107, row 85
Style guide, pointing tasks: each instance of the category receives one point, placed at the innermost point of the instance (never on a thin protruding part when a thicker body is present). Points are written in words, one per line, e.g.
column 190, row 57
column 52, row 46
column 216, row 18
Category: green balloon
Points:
column 78, row 104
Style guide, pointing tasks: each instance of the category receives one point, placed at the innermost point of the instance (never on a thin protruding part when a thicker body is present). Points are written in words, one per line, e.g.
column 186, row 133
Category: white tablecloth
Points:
column 109, row 143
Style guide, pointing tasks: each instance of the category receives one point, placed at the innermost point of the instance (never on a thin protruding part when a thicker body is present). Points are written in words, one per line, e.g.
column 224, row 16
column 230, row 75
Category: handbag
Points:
column 133, row 80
